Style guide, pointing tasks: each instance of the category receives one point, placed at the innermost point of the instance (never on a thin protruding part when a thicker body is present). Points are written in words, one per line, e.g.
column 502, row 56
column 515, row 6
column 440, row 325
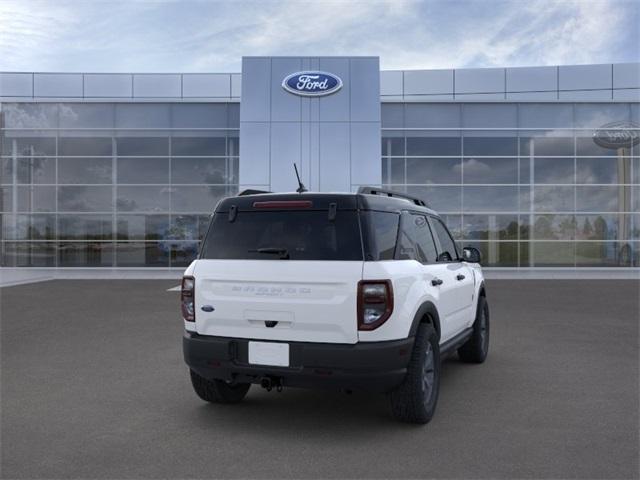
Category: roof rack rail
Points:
column 250, row 191
column 391, row 193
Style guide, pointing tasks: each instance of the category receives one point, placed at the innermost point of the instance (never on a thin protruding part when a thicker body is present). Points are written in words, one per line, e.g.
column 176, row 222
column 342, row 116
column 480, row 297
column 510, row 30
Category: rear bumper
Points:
column 374, row 366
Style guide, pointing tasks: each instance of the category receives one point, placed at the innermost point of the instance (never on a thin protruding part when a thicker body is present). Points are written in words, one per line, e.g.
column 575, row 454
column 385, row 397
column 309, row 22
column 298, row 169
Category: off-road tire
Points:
column 218, row 391
column 413, row 401
column 475, row 349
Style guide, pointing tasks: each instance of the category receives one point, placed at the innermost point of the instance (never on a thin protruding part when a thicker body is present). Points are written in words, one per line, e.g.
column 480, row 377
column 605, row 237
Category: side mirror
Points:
column 471, row 255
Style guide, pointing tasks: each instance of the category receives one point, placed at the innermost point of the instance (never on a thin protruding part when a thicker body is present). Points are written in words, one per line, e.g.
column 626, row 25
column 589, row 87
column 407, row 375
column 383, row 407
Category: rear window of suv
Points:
column 294, row 235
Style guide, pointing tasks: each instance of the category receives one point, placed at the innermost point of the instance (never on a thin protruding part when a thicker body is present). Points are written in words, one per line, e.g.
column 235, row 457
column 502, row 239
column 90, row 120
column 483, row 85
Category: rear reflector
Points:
column 284, row 204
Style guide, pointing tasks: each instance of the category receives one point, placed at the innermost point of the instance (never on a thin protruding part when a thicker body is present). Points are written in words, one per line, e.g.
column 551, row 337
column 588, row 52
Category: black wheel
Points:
column 415, row 399
column 475, row 349
column 218, row 391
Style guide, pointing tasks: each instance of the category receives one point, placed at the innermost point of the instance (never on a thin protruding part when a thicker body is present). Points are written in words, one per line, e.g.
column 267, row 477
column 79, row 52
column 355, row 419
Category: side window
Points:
column 447, row 251
column 381, row 233
column 416, row 242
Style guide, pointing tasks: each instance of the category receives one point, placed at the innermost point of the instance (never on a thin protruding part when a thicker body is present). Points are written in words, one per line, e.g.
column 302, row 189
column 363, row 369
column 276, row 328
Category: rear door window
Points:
column 447, row 247
column 416, row 241
column 294, row 235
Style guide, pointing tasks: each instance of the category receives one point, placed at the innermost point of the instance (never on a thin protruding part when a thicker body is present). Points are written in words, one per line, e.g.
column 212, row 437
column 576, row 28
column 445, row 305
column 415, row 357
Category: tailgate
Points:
column 288, row 300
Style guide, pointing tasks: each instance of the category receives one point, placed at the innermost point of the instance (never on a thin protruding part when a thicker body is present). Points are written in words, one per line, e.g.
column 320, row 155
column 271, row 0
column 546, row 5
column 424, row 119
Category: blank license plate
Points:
column 267, row 353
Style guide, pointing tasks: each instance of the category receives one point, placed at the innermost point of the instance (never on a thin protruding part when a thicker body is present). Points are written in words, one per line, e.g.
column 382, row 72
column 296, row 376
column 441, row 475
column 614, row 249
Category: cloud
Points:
column 144, row 36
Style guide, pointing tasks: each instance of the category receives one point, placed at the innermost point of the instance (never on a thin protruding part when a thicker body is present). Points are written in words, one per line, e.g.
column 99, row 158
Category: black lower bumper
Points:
column 373, row 366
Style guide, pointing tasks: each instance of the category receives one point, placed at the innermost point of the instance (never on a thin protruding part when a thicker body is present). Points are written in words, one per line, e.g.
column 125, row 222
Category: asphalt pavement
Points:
column 93, row 385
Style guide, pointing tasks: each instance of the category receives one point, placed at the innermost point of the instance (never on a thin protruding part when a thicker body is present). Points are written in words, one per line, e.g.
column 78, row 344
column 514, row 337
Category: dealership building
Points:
column 538, row 167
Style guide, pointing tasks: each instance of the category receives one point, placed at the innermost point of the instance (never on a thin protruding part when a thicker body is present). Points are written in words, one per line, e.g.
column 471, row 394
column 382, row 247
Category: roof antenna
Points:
column 301, row 188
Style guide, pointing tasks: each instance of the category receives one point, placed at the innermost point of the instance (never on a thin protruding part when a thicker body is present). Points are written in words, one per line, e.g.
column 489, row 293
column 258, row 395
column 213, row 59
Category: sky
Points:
column 212, row 36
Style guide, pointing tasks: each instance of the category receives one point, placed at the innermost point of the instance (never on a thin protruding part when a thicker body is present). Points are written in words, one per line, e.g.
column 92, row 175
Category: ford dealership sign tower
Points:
column 322, row 113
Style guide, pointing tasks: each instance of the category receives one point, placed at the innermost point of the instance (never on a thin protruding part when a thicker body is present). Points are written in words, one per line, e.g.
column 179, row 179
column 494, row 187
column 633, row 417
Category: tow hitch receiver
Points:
column 269, row 383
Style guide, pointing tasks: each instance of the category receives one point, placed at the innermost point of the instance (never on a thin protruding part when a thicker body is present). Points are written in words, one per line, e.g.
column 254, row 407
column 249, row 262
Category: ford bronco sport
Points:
column 354, row 291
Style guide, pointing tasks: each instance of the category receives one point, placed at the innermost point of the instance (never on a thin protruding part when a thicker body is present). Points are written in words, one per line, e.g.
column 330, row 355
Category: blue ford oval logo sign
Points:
column 312, row 84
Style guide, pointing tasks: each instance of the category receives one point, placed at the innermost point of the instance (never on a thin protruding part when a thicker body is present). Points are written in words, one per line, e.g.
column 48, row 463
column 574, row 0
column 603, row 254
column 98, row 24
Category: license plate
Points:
column 268, row 353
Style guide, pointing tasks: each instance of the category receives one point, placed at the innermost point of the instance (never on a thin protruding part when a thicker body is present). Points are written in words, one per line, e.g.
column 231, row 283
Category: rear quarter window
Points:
column 304, row 235
column 381, row 233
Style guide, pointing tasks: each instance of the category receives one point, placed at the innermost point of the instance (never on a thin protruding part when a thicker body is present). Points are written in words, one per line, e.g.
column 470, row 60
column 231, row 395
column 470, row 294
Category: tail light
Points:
column 187, row 299
column 375, row 303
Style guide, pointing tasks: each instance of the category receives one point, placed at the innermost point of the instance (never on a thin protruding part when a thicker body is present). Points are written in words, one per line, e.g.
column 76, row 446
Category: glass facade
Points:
column 525, row 183
column 112, row 184
column 133, row 184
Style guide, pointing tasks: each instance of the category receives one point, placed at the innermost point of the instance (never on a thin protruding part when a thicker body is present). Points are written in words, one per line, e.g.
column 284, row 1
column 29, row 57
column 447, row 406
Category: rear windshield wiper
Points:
column 283, row 252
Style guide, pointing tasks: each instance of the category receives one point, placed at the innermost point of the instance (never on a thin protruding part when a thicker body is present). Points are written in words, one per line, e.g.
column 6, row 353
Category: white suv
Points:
column 355, row 291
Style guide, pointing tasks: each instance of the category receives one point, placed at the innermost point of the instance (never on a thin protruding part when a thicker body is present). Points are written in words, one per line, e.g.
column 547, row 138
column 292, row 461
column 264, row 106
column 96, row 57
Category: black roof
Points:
column 321, row 201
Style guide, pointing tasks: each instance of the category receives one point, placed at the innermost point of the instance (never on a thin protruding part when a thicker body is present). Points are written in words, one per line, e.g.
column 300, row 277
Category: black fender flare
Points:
column 482, row 291
column 426, row 310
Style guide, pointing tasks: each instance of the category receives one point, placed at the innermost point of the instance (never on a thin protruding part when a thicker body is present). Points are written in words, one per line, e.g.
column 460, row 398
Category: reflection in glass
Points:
column 490, row 227
column 552, row 254
column 85, row 227
column 434, row 170
column 606, row 254
column 198, row 199
column 200, row 146
column 85, row 170
column 433, row 146
column 441, row 199
column 142, row 227
column 554, row 227
column 200, row 170
column 29, row 227
column 553, row 199
column 392, row 146
column 79, row 254
column 490, row 199
column 36, row 170
column 603, row 170
column 142, row 146
column 496, row 254
column 36, row 199
column 143, row 199
column 490, row 170
column 139, row 170
column 602, row 198
column 29, row 254
column 553, row 170
column 490, row 146
column 189, row 227
column 141, row 254
column 29, row 146
column 543, row 146
column 85, row 199
column 84, row 146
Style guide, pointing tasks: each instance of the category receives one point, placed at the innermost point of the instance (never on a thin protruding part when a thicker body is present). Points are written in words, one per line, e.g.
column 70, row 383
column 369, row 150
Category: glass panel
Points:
column 552, row 254
column 603, row 170
column 490, row 227
column 200, row 170
column 553, row 199
column 587, row 147
column 454, row 224
column 139, row 254
column 488, row 115
column 189, row 227
column 434, row 170
column 233, row 115
column 199, row 115
column 598, row 114
column 490, row 170
column 28, row 146
column 434, row 146
column 198, row 146
column 392, row 146
column 605, row 254
column 544, row 115
column 36, row 170
column 490, row 199
column 415, row 240
column 78, row 254
column 142, row 227
column 380, row 232
column 143, row 199
column 85, row 227
column 496, row 254
column 142, row 115
column 29, row 254
column 143, row 170
column 85, row 170
column 553, row 170
column 86, row 115
column 29, row 227
column 85, row 199
column 30, row 115
column 554, row 227
column 84, row 146
column 541, row 146
column 183, row 253
column 6, row 199
column 603, row 226
column 197, row 199
column 441, row 199
column 398, row 171
column 6, row 171
column 601, row 199
column 489, row 146
column 142, row 146
column 36, row 199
